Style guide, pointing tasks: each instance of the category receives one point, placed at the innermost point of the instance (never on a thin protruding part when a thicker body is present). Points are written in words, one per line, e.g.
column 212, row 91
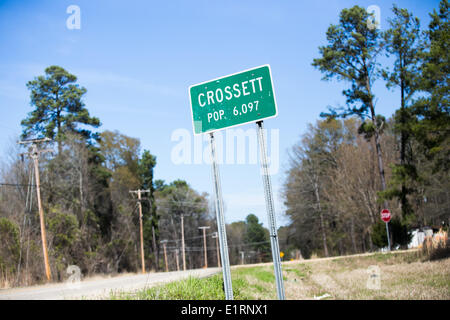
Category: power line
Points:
column 197, row 237
column 213, row 248
column 183, row 203
column 16, row 184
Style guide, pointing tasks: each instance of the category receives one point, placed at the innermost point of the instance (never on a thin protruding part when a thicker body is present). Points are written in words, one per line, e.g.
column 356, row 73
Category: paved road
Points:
column 98, row 288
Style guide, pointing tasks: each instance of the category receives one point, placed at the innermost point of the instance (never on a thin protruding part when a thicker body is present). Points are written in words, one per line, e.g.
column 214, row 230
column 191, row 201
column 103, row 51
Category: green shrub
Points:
column 10, row 246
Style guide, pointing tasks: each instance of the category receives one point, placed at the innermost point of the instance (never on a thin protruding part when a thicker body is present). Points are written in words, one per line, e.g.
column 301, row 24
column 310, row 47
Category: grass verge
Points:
column 401, row 276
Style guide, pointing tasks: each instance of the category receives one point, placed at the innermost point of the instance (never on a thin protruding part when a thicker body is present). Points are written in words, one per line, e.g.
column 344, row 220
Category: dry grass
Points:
column 401, row 277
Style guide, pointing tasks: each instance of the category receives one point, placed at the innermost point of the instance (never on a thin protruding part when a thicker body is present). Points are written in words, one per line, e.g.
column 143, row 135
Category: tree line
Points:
column 355, row 162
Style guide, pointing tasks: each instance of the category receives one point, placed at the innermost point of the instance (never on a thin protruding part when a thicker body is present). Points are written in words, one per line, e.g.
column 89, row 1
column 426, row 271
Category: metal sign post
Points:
column 221, row 223
column 389, row 240
column 270, row 212
column 386, row 217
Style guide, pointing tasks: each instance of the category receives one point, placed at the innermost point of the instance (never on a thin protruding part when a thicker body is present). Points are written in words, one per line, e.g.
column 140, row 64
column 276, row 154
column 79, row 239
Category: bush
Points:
column 64, row 229
column 10, row 247
column 431, row 253
column 398, row 231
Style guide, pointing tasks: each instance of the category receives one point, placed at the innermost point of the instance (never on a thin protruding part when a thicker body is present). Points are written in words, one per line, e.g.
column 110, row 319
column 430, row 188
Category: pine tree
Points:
column 256, row 235
column 403, row 41
column 350, row 56
column 59, row 108
column 432, row 127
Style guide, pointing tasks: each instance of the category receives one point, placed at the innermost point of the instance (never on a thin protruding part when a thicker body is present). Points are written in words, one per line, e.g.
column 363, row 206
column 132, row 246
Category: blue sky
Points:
column 138, row 58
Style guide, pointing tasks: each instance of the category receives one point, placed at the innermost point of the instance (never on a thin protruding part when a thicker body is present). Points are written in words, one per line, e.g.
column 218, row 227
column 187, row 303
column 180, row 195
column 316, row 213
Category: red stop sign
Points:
column 385, row 215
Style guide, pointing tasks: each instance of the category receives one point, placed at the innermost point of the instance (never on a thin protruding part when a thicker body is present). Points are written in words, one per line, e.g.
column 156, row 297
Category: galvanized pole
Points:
column 388, row 237
column 221, row 223
column 270, row 212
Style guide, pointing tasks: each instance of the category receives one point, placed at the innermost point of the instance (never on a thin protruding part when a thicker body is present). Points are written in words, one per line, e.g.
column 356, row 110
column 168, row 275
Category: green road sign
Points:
column 229, row 101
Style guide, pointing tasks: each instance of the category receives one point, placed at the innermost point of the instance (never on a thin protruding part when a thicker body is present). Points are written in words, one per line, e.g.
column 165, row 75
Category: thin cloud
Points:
column 92, row 77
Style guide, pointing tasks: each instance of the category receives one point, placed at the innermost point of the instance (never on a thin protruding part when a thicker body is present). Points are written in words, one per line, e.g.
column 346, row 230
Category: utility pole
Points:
column 216, row 236
column 176, row 258
column 204, row 245
column 141, row 228
column 242, row 256
column 165, row 253
column 182, row 242
column 34, row 154
column 155, row 250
